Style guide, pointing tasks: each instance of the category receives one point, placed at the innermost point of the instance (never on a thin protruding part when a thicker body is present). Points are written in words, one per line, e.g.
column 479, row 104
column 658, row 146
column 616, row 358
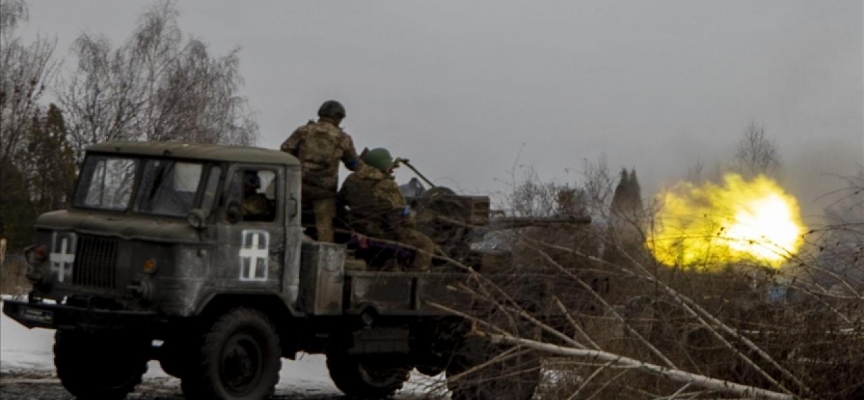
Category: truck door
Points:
column 252, row 238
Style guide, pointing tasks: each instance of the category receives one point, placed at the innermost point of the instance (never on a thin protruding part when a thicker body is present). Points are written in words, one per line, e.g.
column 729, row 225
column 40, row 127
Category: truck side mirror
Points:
column 234, row 212
column 197, row 218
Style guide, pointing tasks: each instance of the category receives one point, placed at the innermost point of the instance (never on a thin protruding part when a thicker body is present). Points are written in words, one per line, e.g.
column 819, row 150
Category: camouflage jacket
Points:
column 375, row 201
column 320, row 146
column 256, row 206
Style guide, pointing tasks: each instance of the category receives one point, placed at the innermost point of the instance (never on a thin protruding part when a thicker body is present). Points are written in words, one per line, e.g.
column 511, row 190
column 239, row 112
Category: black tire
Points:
column 515, row 378
column 238, row 358
column 100, row 365
column 368, row 378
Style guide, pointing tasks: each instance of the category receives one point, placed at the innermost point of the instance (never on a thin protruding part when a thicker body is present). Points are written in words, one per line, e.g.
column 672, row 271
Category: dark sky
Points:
column 463, row 88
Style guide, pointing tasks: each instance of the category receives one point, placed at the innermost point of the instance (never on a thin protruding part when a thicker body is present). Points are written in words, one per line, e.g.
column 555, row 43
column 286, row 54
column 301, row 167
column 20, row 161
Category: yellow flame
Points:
column 710, row 225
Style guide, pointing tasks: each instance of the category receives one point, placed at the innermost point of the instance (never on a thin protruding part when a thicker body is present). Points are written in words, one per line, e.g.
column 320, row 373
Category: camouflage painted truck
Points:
column 157, row 259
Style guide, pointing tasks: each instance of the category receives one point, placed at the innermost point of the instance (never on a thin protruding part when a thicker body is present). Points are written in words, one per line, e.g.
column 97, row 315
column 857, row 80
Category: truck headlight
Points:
column 35, row 255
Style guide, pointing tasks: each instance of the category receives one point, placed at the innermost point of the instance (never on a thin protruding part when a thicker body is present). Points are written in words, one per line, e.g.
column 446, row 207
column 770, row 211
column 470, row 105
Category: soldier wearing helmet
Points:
column 378, row 208
column 255, row 205
column 320, row 146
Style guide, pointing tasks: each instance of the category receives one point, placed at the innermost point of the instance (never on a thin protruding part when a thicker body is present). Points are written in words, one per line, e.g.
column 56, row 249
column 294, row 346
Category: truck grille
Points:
column 95, row 261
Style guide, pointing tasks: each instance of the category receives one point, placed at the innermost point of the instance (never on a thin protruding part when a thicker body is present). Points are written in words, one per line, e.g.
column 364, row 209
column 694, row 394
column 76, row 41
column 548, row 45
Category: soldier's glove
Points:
column 406, row 218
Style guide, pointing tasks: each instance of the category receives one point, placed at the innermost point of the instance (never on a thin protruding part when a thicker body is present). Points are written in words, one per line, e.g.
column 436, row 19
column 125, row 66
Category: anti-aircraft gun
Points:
column 455, row 222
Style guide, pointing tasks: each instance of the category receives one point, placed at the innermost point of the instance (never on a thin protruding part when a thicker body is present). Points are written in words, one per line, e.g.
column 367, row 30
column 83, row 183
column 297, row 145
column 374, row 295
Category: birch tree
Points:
column 159, row 85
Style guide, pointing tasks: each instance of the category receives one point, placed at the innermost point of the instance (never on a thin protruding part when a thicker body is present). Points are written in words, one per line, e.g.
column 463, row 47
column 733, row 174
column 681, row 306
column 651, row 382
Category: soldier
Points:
column 378, row 208
column 255, row 205
column 320, row 146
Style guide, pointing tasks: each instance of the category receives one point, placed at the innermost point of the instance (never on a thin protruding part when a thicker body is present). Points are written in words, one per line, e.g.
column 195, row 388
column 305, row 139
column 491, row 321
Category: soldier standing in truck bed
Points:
column 378, row 208
column 320, row 146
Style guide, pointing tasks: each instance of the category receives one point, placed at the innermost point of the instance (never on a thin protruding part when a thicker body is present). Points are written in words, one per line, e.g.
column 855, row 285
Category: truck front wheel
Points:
column 371, row 377
column 99, row 365
column 239, row 358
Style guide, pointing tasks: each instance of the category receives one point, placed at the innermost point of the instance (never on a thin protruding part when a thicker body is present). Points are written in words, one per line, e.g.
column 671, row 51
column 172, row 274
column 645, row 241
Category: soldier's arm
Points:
column 349, row 153
column 292, row 144
column 388, row 192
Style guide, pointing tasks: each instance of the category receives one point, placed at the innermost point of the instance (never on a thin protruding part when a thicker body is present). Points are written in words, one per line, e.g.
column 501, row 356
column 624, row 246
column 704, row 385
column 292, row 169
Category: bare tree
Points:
column 678, row 334
column 757, row 154
column 158, row 85
column 696, row 171
column 26, row 71
column 598, row 183
column 534, row 198
column 742, row 331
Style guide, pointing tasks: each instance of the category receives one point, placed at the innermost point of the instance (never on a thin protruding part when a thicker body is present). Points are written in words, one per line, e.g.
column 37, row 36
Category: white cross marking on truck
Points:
column 61, row 259
column 253, row 252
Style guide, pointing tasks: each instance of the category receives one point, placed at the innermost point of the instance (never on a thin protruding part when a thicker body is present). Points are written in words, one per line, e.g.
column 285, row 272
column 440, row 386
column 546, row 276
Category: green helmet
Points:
column 378, row 158
column 332, row 109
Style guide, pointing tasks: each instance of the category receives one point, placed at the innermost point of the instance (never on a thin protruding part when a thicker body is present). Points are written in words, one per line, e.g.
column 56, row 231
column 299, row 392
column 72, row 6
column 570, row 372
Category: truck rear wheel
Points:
column 99, row 365
column 239, row 358
column 513, row 378
column 371, row 377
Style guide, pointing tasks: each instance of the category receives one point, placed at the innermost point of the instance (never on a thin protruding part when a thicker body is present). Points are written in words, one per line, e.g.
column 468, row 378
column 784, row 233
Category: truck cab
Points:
column 162, row 227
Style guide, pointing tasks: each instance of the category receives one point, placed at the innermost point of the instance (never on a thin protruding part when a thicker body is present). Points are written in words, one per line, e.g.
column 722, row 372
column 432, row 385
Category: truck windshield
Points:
column 106, row 183
column 168, row 187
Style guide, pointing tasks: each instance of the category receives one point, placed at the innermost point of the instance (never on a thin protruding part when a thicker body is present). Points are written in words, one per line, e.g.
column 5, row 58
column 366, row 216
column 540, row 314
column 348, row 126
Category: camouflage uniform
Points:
column 320, row 146
column 256, row 206
column 377, row 210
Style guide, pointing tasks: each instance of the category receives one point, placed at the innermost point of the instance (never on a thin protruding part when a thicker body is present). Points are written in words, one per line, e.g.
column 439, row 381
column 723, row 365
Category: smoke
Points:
column 813, row 174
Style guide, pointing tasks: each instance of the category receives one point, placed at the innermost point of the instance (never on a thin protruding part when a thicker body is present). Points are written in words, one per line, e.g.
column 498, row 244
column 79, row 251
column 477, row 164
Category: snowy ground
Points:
column 26, row 364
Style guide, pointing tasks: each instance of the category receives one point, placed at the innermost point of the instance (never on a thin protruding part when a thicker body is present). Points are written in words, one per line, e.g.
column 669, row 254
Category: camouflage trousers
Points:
column 425, row 245
column 325, row 211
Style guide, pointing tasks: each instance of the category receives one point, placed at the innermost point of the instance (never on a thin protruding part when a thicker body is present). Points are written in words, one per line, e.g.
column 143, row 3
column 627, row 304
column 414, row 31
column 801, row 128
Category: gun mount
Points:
column 455, row 221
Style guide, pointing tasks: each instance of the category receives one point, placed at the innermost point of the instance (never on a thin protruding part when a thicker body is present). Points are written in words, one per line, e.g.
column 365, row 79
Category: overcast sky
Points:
column 464, row 88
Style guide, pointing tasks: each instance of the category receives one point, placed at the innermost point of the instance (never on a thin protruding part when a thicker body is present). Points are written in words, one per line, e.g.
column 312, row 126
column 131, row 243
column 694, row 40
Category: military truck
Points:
column 158, row 257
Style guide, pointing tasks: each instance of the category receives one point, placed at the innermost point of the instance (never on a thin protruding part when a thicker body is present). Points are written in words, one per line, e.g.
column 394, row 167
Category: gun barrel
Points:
column 423, row 177
column 523, row 222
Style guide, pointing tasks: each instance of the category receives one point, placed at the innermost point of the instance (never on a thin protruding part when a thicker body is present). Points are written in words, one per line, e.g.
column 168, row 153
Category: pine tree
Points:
column 16, row 211
column 635, row 192
column 38, row 179
column 53, row 162
column 619, row 199
column 627, row 200
column 626, row 222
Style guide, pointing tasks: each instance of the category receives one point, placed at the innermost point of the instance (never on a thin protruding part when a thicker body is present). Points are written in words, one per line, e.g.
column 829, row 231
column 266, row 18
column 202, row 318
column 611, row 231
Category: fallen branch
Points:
column 671, row 374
